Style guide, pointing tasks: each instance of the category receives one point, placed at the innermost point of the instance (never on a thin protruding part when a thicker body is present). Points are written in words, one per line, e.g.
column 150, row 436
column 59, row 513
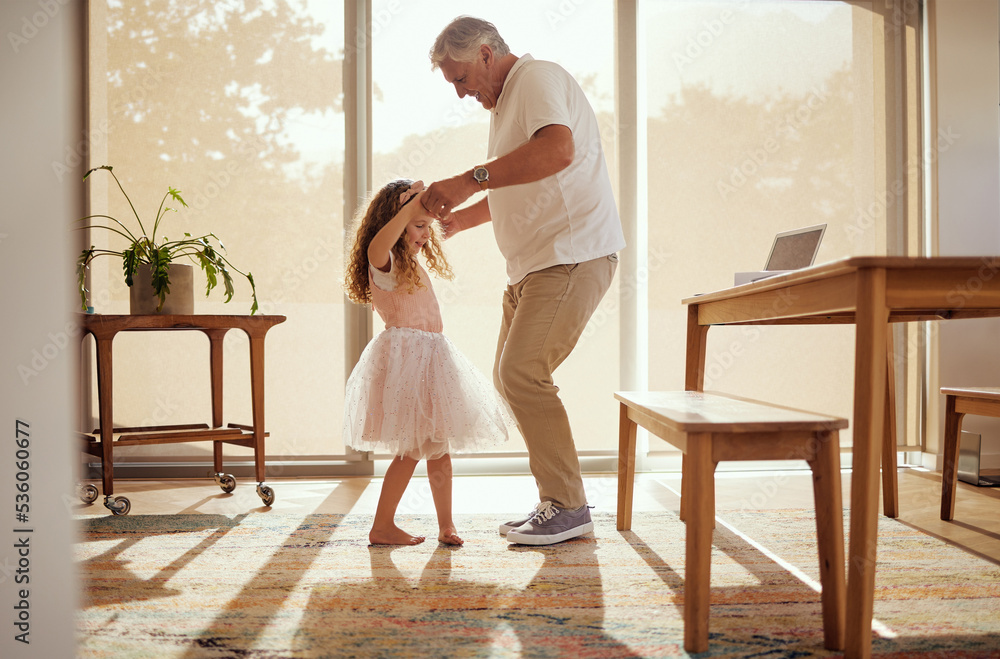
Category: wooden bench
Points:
column 710, row 428
column 959, row 401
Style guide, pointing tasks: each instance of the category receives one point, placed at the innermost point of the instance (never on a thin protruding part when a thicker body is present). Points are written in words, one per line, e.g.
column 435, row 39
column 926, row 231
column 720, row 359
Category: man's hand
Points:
column 442, row 196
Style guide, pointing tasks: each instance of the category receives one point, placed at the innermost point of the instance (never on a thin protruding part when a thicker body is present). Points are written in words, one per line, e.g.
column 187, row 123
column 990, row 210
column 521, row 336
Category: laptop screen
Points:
column 795, row 249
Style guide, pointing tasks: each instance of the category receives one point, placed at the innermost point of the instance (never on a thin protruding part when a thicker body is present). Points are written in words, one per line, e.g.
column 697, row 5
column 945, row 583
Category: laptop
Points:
column 791, row 250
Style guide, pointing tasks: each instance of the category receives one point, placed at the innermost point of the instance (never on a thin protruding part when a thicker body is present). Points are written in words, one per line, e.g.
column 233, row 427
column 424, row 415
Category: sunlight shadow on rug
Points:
column 124, row 584
column 559, row 611
column 265, row 585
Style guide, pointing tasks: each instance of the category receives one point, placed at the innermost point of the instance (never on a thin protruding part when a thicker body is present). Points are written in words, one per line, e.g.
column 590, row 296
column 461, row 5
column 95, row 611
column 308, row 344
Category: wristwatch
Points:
column 482, row 176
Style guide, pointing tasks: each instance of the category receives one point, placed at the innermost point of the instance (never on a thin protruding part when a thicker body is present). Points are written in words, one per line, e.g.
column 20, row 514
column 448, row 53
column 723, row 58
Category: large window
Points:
column 761, row 118
column 422, row 130
column 753, row 118
column 239, row 106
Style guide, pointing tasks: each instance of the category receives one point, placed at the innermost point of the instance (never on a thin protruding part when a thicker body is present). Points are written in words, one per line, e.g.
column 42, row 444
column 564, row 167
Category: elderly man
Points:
column 550, row 202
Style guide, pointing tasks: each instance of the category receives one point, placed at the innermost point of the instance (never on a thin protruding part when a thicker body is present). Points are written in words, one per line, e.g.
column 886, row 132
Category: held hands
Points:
column 416, row 207
column 442, row 196
column 450, row 223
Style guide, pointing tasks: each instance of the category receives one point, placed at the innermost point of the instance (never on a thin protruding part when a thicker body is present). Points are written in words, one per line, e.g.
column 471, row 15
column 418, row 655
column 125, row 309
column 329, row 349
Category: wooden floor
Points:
column 976, row 527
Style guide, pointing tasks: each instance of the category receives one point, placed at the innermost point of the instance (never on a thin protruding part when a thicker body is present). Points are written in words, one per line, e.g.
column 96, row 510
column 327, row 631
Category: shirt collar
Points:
column 523, row 59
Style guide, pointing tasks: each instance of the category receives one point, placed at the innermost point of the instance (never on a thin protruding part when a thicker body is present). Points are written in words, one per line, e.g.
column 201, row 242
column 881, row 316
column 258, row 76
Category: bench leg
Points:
column 949, row 472
column 699, row 476
column 684, row 483
column 890, row 486
column 825, row 465
column 626, row 468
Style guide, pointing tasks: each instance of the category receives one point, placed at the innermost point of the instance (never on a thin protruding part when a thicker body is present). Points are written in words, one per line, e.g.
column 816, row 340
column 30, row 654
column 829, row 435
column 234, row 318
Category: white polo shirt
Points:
column 569, row 217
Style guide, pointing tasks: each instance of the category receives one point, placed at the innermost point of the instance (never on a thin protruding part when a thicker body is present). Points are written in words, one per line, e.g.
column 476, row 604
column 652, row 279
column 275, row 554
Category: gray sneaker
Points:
column 507, row 527
column 551, row 524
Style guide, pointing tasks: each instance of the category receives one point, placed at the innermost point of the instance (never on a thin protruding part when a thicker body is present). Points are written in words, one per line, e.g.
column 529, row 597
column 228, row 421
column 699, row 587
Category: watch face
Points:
column 480, row 174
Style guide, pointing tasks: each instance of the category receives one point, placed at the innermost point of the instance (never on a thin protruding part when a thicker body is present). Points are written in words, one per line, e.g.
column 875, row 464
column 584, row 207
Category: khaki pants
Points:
column 543, row 317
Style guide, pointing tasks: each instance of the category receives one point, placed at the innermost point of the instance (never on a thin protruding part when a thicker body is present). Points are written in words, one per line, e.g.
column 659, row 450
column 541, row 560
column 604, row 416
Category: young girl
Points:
column 412, row 392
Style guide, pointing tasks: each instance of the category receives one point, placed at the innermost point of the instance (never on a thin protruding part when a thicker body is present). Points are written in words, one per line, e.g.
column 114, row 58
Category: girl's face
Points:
column 418, row 232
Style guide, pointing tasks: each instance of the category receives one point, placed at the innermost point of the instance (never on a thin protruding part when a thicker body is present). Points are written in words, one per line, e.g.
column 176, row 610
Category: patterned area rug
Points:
column 271, row 585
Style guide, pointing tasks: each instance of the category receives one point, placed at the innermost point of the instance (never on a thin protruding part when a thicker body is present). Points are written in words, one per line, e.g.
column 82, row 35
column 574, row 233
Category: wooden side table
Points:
column 101, row 442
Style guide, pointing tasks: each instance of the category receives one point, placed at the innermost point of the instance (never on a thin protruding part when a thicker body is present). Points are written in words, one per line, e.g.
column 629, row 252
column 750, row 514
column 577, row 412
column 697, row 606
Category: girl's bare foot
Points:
column 449, row 537
column 393, row 536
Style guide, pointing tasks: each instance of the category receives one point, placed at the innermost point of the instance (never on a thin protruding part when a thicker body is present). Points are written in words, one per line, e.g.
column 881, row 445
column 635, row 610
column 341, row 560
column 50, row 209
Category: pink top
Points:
column 401, row 308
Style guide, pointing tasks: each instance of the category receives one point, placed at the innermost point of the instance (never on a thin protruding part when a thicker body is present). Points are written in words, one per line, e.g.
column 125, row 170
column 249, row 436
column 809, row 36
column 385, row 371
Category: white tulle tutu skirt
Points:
column 413, row 393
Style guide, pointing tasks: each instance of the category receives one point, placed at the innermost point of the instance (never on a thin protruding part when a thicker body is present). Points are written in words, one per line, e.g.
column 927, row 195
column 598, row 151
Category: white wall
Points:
column 41, row 66
column 968, row 83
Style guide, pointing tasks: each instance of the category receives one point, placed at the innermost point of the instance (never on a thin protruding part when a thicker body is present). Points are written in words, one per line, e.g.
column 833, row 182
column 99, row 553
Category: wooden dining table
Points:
column 869, row 292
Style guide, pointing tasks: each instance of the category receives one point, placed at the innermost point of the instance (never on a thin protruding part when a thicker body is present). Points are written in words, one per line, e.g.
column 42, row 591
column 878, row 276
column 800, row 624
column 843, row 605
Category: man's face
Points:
column 472, row 78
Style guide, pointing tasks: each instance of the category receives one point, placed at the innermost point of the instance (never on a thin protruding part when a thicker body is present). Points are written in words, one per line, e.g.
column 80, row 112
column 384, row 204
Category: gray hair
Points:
column 460, row 41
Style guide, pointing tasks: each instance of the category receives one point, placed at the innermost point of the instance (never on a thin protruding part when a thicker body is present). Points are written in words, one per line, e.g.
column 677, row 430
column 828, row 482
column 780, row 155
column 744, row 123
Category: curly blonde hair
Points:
column 381, row 208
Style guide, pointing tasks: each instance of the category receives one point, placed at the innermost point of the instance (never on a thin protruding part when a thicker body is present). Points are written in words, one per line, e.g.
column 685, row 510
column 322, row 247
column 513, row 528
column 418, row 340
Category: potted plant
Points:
column 146, row 252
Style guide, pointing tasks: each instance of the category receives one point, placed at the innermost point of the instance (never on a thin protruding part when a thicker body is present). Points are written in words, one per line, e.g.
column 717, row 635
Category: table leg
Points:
column 257, row 397
column 216, row 338
column 890, row 485
column 949, row 471
column 697, row 343
column 871, row 317
column 105, row 412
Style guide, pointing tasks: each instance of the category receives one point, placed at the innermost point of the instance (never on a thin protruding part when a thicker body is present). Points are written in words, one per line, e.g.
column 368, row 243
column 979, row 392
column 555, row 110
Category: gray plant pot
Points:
column 180, row 300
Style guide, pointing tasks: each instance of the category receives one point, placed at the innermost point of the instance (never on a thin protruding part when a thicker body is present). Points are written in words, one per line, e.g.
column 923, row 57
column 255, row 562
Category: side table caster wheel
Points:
column 87, row 493
column 226, row 481
column 118, row 505
column 265, row 493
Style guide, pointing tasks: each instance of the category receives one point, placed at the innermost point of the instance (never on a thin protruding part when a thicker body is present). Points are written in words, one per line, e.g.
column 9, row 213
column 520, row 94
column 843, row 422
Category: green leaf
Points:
column 210, row 272
column 130, row 262
column 176, row 194
column 161, row 276
column 253, row 291
column 228, row 280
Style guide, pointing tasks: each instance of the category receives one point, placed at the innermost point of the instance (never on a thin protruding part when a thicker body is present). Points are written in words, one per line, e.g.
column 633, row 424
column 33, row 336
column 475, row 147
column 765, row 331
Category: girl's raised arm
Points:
column 381, row 244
